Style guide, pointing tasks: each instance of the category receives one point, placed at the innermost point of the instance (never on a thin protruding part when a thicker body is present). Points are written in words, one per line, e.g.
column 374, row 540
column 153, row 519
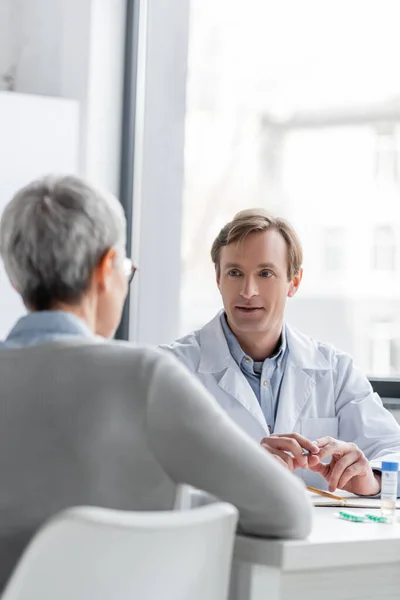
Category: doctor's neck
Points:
column 259, row 345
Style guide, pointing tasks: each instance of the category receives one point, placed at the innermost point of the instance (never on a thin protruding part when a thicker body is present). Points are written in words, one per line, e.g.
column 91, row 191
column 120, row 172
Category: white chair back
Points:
column 90, row 553
column 188, row 497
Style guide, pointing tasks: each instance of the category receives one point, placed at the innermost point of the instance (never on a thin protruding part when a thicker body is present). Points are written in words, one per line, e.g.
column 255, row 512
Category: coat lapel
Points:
column 235, row 383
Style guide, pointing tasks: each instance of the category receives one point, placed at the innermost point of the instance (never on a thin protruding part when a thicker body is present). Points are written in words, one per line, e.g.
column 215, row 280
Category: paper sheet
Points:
column 352, row 501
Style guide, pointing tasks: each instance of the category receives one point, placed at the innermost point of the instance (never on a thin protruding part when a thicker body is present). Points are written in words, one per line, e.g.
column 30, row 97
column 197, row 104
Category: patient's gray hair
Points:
column 52, row 235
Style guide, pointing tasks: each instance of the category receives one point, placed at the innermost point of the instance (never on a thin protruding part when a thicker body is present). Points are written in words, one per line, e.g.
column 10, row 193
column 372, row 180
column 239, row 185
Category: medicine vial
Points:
column 389, row 490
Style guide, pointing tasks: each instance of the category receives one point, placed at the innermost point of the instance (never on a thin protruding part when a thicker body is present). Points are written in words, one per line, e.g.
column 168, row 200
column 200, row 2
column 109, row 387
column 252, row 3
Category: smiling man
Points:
column 303, row 400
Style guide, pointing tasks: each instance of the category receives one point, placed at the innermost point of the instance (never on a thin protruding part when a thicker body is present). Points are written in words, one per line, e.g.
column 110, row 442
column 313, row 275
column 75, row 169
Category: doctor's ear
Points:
column 295, row 283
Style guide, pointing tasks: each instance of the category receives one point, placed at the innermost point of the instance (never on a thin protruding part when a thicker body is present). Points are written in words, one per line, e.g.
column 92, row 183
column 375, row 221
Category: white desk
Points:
column 339, row 561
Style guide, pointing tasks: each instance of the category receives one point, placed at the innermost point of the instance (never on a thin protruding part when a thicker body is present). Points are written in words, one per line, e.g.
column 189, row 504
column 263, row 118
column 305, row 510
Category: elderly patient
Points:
column 85, row 421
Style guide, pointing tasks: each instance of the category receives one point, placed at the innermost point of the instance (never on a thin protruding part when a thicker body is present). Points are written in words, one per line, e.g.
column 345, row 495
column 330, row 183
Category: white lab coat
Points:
column 322, row 393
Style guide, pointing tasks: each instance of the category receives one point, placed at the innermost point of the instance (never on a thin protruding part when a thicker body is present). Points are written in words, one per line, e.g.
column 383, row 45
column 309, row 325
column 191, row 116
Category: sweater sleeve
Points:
column 197, row 443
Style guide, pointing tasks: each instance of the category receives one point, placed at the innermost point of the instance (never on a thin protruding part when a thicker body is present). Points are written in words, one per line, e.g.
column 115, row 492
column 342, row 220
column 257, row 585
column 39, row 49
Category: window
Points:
column 384, row 258
column 385, row 348
column 395, row 355
column 380, row 346
column 335, row 255
column 280, row 115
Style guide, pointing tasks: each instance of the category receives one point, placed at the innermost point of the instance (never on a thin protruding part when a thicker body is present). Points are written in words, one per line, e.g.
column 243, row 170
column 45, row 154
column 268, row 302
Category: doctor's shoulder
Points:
column 186, row 349
column 318, row 353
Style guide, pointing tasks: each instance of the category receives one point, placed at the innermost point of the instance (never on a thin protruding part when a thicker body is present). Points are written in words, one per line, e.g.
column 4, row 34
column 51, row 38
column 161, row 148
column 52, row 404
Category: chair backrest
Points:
column 90, row 553
column 188, row 497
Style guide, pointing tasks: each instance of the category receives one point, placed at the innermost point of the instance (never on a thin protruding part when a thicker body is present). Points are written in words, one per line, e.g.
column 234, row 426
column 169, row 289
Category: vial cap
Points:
column 390, row 466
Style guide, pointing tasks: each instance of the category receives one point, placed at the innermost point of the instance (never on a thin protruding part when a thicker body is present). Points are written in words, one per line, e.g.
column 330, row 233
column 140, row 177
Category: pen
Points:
column 304, row 453
column 326, row 494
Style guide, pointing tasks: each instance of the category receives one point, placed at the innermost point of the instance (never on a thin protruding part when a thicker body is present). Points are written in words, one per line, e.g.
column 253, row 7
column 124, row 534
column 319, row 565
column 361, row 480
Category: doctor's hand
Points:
column 348, row 470
column 288, row 449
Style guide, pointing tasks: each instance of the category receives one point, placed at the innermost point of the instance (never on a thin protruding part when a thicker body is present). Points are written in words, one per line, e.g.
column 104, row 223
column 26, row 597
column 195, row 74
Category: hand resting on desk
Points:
column 347, row 470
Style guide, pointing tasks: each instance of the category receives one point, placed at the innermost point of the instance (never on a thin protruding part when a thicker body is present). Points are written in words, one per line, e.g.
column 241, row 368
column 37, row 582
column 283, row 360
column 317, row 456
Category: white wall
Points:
column 72, row 49
column 105, row 91
column 55, row 52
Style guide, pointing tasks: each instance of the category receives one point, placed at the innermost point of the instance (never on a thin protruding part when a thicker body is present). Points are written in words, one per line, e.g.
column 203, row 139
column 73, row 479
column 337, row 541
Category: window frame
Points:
column 152, row 165
column 128, row 129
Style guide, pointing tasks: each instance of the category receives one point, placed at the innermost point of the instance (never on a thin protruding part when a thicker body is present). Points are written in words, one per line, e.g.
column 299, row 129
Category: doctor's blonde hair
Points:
column 254, row 220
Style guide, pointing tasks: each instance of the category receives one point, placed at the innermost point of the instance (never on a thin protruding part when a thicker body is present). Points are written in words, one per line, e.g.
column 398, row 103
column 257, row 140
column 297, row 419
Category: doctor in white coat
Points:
column 286, row 390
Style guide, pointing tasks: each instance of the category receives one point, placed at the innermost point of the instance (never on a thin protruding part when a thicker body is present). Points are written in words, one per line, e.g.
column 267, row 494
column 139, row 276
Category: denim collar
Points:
column 49, row 323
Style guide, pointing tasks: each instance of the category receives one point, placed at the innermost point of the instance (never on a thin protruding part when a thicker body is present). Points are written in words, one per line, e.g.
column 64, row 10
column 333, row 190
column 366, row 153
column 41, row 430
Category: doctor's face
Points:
column 254, row 283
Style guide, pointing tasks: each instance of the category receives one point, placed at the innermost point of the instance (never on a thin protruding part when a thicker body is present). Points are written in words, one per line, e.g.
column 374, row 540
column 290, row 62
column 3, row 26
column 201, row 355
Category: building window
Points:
column 384, row 348
column 380, row 348
column 384, row 252
column 265, row 128
column 395, row 356
column 334, row 241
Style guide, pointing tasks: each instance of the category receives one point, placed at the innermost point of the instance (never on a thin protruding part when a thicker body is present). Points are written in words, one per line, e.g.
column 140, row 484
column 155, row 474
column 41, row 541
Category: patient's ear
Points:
column 295, row 283
column 104, row 270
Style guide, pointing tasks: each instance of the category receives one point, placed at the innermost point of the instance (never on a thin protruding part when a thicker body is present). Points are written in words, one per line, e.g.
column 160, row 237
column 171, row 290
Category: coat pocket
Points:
column 314, row 428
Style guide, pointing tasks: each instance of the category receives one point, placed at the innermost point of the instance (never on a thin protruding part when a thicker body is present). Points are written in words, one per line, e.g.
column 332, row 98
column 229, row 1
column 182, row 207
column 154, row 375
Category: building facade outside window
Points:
column 281, row 116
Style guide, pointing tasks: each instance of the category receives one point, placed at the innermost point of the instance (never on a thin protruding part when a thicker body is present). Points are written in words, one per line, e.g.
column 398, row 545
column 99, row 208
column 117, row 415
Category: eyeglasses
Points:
column 129, row 269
